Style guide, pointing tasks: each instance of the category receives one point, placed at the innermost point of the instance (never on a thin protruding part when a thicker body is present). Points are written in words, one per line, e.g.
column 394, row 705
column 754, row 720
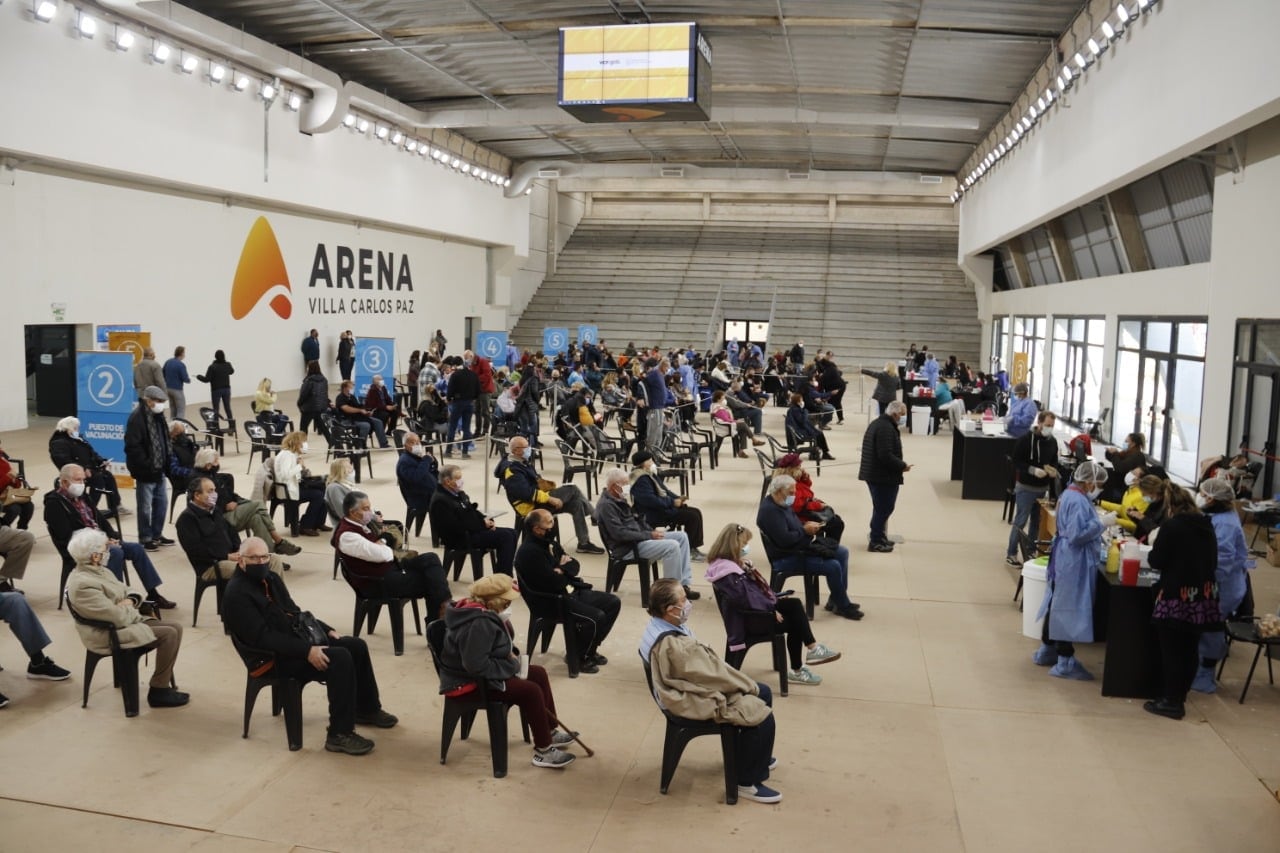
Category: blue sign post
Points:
column 102, row 333
column 374, row 355
column 104, row 396
column 555, row 340
column 588, row 335
column 493, row 346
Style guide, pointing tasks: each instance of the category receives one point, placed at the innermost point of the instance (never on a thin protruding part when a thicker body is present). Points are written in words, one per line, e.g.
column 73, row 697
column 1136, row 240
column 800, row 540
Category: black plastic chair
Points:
column 220, row 588
column 217, row 431
column 619, row 558
column 124, row 662
column 1246, row 631
column 761, row 627
column 811, row 592
column 578, row 461
column 546, row 611
column 344, row 441
column 259, row 442
column 463, row 709
column 286, row 694
column 766, row 472
column 457, row 547
column 681, row 730
column 414, row 518
column 370, row 601
column 292, row 509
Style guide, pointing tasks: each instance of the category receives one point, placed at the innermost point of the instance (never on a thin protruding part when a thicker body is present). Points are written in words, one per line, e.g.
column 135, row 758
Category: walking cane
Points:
column 566, row 729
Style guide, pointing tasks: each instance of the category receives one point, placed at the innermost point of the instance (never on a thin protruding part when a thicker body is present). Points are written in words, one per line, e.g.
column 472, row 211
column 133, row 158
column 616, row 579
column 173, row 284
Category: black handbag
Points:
column 822, row 546
column 308, row 627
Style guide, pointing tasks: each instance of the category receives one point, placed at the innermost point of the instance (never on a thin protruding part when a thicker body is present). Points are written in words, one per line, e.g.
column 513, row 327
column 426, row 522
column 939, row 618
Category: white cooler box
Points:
column 921, row 420
column 1034, row 583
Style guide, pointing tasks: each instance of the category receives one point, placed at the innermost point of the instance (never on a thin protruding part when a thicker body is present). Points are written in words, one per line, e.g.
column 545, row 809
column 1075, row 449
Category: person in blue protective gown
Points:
column 1067, row 608
column 1215, row 499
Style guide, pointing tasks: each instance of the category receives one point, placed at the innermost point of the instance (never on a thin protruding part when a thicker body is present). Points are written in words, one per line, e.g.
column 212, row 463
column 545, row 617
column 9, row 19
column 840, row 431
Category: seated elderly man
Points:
column 24, row 624
column 544, row 567
column 660, row 506
column 459, row 524
column 206, row 535
column 93, row 593
column 788, row 542
column 527, row 492
column 745, row 406
column 243, row 514
column 374, row 563
column 382, row 405
column 622, row 527
column 16, row 546
column 67, row 510
column 690, row 681
column 416, row 472
column 260, row 613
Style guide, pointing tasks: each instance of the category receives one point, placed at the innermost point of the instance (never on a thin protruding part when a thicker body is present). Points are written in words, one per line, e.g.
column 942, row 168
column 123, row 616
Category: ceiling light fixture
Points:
column 362, row 125
column 86, row 26
column 1081, row 61
column 411, row 146
column 1108, row 31
column 349, row 120
column 397, row 137
column 44, row 10
column 269, row 90
column 240, row 82
column 160, row 52
column 123, row 39
column 217, row 71
column 1094, row 47
column 383, row 131
column 293, row 103
column 1144, row 5
column 188, row 63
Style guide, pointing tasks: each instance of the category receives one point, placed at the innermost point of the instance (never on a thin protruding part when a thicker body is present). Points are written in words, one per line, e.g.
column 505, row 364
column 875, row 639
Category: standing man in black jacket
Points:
column 882, row 469
column 543, row 566
column 259, row 612
column 464, row 388
column 146, row 452
column 1035, row 456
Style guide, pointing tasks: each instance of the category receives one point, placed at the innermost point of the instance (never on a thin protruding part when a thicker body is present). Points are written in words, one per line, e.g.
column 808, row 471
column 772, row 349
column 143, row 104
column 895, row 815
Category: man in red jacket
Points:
column 483, row 370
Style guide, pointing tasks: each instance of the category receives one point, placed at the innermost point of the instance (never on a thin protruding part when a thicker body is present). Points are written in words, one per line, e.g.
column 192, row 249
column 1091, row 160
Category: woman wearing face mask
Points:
column 690, row 681
column 1131, row 454
column 289, row 475
column 1067, row 608
column 67, row 446
column 806, row 506
column 1148, row 520
column 340, row 480
column 1186, row 555
column 1215, row 499
column 1133, row 503
column 662, row 507
column 740, row 588
column 478, row 645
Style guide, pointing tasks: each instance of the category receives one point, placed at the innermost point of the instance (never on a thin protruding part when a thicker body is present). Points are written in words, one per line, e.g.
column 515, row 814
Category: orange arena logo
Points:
column 261, row 272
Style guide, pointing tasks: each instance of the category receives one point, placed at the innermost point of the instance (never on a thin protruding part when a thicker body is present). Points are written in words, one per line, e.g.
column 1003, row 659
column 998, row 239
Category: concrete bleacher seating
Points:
column 864, row 293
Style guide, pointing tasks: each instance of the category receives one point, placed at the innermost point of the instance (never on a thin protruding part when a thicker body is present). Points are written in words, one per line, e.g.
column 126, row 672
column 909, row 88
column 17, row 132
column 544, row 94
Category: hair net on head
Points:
column 1218, row 489
column 1022, row 388
column 1090, row 472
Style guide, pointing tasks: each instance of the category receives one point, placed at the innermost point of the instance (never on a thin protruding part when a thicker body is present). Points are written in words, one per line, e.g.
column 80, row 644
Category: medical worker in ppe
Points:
column 1215, row 499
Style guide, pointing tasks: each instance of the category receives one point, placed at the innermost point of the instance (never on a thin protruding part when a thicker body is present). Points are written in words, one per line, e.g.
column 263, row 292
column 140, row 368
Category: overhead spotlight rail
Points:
column 1059, row 74
column 440, row 147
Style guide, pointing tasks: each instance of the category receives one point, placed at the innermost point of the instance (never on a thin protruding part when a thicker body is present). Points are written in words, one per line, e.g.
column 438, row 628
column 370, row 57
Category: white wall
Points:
column 553, row 216
column 128, row 189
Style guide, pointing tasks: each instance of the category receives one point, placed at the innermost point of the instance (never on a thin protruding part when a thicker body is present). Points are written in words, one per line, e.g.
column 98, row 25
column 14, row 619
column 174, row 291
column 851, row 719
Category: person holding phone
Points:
column 662, row 507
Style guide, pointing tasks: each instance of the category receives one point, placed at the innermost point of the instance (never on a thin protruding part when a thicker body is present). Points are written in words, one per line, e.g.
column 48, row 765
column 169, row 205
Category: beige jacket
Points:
column 692, row 682
column 96, row 594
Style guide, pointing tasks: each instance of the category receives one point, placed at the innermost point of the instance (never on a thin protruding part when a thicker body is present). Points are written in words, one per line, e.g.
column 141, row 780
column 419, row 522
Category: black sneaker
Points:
column 151, row 546
column 692, row 594
column 379, row 718
column 47, row 670
column 284, row 546
column 166, row 697
column 4, row 700
column 589, row 548
column 850, row 613
column 6, row 585
column 588, row 666
column 348, row 742
column 880, row 547
column 165, row 540
column 599, row 659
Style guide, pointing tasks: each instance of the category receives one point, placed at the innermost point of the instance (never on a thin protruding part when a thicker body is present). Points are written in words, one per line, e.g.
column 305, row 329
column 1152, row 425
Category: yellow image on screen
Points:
column 626, row 64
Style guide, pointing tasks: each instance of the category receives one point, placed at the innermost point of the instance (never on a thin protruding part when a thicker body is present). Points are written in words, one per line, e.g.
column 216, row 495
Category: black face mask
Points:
column 257, row 571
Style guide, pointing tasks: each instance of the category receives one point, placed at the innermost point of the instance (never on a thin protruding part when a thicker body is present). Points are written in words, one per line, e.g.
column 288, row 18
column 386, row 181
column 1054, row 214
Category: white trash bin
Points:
column 1034, row 583
column 920, row 420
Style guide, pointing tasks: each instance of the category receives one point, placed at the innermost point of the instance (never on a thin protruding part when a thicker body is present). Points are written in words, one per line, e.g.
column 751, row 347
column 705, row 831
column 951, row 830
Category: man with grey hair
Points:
column 147, row 372
column 882, row 469
column 146, row 453
column 621, row 527
column 789, row 544
column 1022, row 411
column 455, row 518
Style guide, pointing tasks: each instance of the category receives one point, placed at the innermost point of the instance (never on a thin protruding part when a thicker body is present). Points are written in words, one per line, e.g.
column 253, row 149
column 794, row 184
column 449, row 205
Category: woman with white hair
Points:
column 887, row 384
column 95, row 594
column 1067, row 608
column 1215, row 499
column 67, row 446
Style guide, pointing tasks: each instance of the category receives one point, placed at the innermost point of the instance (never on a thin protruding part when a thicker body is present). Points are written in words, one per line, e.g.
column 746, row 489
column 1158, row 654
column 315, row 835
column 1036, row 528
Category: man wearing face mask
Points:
column 381, row 405
column 146, row 452
column 241, row 513
column 543, row 566
column 624, row 529
column 881, row 469
column 416, row 473
column 67, row 510
column 206, row 535
column 455, row 518
column 691, row 681
column 352, row 411
column 1067, row 608
column 662, row 507
column 1034, row 458
column 464, row 388
column 527, row 492
column 259, row 612
column 373, row 563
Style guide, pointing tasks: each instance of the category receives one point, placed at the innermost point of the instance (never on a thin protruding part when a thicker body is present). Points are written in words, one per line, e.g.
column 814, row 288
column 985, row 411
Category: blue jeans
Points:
column 24, row 624
column 1024, row 504
column 755, row 745
column 153, row 503
column 835, row 570
column 223, row 396
column 460, row 415
column 884, row 497
column 142, row 565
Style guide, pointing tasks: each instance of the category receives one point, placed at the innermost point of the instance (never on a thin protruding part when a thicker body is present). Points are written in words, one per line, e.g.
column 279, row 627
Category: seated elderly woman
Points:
column 298, row 484
column 722, row 413
column 1132, row 500
column 740, row 588
column 800, row 429
column 478, row 645
column 95, row 594
column 806, row 506
column 67, row 446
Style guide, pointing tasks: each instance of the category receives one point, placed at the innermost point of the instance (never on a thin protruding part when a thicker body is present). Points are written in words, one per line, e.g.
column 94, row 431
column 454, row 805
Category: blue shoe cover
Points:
column 1045, row 656
column 1205, row 682
column 1070, row 668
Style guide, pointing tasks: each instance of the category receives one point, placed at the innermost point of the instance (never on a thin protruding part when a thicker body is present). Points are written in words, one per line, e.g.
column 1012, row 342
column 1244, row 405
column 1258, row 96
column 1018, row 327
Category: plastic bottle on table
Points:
column 1113, row 558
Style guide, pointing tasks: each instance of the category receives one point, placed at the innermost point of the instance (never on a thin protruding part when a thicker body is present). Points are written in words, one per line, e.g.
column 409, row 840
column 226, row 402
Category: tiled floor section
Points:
column 934, row 732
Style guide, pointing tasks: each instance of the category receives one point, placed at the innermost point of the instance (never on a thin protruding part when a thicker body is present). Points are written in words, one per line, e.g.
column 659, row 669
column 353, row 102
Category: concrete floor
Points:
column 934, row 732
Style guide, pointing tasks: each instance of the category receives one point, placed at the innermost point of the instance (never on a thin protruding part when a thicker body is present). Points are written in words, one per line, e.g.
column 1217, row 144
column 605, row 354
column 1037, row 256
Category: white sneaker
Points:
column 551, row 757
column 820, row 654
column 758, row 794
column 803, row 675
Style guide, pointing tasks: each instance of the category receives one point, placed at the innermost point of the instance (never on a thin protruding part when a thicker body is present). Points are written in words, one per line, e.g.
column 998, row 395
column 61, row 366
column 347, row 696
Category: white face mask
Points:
column 650, row 465
column 377, row 382
column 746, row 549
column 626, row 493
column 1130, row 478
column 457, row 485
column 75, row 433
column 305, row 447
column 418, row 450
column 75, row 489
column 505, row 615
column 159, row 407
column 1201, row 501
column 1093, row 493
column 211, row 499
column 685, row 611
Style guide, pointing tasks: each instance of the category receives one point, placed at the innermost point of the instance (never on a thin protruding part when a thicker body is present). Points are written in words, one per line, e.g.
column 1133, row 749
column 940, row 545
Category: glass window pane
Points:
column 1058, row 376
column 1268, row 345
column 1191, row 338
column 1124, row 414
column 1130, row 334
column 1060, row 327
column 1092, row 394
column 1098, row 332
column 1184, row 419
column 1159, row 336
column 1244, row 341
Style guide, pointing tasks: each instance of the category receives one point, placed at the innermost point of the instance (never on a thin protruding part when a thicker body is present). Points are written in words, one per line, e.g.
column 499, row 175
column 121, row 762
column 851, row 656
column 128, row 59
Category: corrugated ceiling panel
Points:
column 968, row 66
column 1021, row 16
